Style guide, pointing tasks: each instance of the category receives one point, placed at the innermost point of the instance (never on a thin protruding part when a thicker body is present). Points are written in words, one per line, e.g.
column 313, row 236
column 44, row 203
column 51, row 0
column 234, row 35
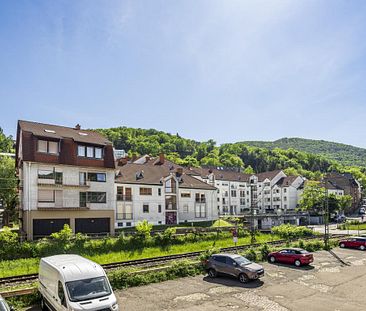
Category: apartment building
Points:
column 268, row 192
column 161, row 192
column 348, row 184
column 66, row 177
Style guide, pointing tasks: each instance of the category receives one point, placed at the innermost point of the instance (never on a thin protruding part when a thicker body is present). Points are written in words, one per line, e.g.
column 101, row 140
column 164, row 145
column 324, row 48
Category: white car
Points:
column 4, row 306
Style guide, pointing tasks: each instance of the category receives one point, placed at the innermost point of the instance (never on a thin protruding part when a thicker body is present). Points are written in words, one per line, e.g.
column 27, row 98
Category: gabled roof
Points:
column 59, row 132
column 220, row 174
column 286, row 181
column 268, row 175
column 153, row 171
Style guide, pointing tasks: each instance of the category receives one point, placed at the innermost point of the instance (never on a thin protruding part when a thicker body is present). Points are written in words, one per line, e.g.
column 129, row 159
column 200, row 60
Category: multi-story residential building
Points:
column 266, row 192
column 66, row 177
column 349, row 185
column 161, row 192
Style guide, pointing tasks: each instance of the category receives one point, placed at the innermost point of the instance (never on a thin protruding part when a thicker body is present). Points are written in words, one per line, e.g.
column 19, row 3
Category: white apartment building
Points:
column 66, row 177
column 159, row 191
column 272, row 195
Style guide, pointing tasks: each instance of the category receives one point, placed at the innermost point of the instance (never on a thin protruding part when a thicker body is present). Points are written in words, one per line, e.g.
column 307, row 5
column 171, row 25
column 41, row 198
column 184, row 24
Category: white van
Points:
column 71, row 282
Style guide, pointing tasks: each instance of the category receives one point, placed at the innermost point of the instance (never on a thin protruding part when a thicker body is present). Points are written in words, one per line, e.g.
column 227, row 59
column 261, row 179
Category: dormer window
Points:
column 46, row 146
column 90, row 152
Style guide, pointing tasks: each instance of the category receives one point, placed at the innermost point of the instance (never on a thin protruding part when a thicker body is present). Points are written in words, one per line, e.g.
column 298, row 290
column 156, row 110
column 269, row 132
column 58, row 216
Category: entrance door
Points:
column 259, row 224
column 170, row 218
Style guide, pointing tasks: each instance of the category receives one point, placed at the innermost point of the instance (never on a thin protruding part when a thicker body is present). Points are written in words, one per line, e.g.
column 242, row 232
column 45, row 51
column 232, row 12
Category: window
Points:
column 99, row 177
column 159, row 208
column 45, row 174
column 145, row 191
column 242, row 193
column 200, row 211
column 61, row 294
column 185, row 208
column 233, row 193
column 97, row 197
column 220, row 259
column 284, row 190
column 92, row 197
column 46, row 196
column 90, row 152
column 47, row 146
column 185, row 195
column 82, row 178
column 159, row 191
column 128, row 224
column 285, row 198
column 98, row 153
column 200, row 198
column 58, row 178
column 145, row 208
column 81, row 151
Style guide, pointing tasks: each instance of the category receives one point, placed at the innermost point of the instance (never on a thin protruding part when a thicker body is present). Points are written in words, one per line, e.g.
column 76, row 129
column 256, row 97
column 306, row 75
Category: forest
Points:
column 345, row 154
column 249, row 158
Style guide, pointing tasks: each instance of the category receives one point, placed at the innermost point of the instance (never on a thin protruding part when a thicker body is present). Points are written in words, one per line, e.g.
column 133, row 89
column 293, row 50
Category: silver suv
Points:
column 4, row 306
column 234, row 265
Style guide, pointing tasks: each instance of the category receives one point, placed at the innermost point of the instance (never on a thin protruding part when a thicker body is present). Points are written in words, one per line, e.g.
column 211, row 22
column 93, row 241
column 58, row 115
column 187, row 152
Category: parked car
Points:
column 295, row 256
column 234, row 265
column 71, row 282
column 4, row 306
column 362, row 211
column 354, row 242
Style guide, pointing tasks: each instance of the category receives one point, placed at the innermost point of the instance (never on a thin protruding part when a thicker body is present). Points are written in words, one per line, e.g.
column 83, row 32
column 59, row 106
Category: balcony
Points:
column 203, row 200
column 62, row 206
column 124, row 216
column 62, row 183
column 125, row 198
column 270, row 210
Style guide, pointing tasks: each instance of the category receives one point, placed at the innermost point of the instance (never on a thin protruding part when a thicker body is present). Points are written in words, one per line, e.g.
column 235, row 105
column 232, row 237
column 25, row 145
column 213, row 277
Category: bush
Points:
column 167, row 237
column 251, row 254
column 264, row 250
column 143, row 231
column 287, row 231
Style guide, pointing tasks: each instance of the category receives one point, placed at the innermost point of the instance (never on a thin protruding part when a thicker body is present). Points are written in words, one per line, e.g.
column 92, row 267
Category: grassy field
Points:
column 361, row 226
column 30, row 265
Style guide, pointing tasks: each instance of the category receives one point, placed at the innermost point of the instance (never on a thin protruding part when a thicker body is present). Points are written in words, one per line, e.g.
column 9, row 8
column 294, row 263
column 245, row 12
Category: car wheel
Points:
column 362, row 247
column 43, row 305
column 272, row 259
column 342, row 245
column 212, row 273
column 243, row 278
column 297, row 263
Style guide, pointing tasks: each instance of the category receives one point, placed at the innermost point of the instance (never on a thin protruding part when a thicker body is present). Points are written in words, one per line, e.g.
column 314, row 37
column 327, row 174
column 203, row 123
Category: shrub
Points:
column 250, row 254
column 143, row 231
column 287, row 231
column 264, row 251
column 166, row 237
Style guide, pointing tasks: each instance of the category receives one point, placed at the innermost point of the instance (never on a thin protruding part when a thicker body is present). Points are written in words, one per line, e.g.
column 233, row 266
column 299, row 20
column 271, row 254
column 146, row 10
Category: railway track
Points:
column 157, row 261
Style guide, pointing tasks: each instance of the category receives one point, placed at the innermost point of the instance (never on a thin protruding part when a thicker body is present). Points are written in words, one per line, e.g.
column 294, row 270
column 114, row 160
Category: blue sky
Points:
column 227, row 70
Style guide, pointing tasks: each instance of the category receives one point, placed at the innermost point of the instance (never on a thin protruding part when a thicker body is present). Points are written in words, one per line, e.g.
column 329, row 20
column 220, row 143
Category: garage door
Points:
column 44, row 227
column 92, row 225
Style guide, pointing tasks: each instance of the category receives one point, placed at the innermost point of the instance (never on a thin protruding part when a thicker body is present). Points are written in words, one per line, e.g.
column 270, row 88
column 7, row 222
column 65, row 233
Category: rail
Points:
column 156, row 261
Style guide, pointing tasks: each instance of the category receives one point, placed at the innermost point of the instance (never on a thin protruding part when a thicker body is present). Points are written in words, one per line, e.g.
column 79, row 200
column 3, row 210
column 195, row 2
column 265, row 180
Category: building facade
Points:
column 66, row 177
column 159, row 191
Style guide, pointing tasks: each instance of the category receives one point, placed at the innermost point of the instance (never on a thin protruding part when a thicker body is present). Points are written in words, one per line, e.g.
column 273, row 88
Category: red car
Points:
column 296, row 256
column 355, row 242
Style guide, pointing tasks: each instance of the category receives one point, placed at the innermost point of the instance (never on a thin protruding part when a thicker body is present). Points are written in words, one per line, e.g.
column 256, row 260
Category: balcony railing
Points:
column 202, row 201
column 121, row 197
column 68, row 182
column 124, row 216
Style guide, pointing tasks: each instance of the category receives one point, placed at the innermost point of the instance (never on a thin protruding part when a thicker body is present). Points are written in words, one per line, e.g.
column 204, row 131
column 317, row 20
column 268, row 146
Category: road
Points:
column 328, row 284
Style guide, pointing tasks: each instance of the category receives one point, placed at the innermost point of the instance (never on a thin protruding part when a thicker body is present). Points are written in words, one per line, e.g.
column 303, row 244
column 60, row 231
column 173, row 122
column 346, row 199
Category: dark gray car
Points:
column 234, row 265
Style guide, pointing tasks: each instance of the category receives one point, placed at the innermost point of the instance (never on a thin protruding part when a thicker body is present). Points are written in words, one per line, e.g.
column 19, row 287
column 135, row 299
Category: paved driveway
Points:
column 326, row 285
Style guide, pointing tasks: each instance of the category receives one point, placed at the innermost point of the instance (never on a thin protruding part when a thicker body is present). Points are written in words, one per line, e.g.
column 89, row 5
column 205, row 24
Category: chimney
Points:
column 161, row 158
column 179, row 171
column 77, row 127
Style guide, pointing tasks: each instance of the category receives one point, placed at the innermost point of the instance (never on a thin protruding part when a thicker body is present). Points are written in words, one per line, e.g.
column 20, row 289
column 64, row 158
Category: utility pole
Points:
column 253, row 203
column 326, row 219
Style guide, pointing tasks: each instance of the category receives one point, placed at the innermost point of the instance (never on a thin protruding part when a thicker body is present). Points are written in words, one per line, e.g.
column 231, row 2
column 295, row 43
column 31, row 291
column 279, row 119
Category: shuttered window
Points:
column 46, row 196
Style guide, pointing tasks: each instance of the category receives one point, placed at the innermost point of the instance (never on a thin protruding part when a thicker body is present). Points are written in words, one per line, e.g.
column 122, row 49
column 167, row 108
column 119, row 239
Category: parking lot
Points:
column 328, row 284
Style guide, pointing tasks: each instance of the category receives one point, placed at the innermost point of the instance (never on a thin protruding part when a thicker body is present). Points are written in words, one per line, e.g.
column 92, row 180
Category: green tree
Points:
column 8, row 189
column 6, row 142
column 231, row 160
column 312, row 198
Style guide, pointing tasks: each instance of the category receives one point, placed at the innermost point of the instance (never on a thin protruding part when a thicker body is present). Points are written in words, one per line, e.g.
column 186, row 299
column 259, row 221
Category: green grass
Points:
column 354, row 227
column 30, row 265
column 221, row 223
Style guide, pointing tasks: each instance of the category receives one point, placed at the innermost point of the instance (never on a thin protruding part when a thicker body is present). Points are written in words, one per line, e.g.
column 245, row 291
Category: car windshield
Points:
column 303, row 252
column 4, row 306
column 88, row 289
column 242, row 261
